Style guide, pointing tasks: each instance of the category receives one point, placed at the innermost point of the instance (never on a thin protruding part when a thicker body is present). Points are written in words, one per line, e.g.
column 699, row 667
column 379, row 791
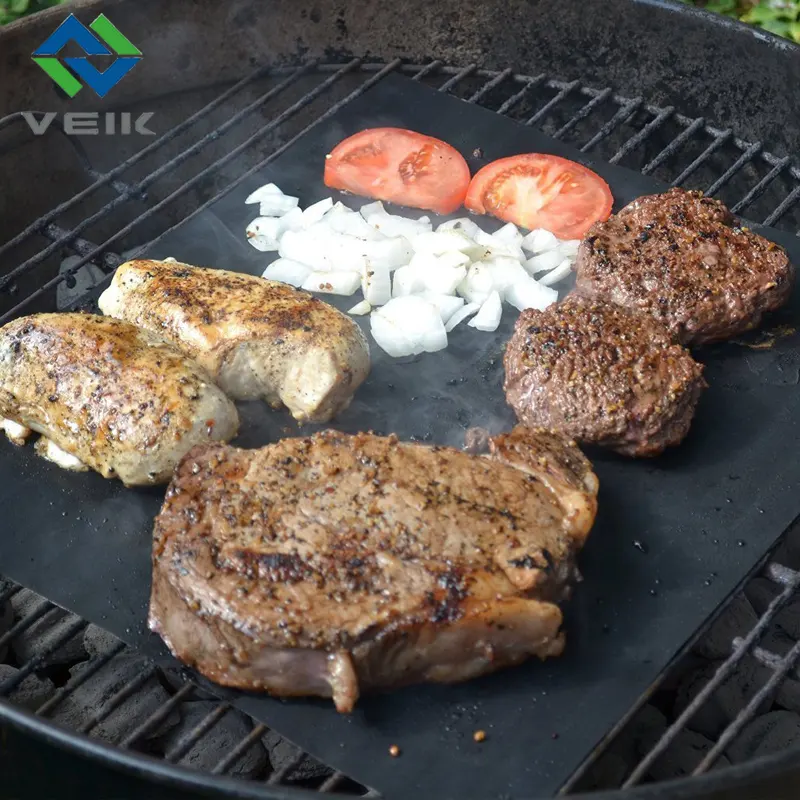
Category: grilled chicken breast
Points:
column 258, row 338
column 336, row 563
column 106, row 396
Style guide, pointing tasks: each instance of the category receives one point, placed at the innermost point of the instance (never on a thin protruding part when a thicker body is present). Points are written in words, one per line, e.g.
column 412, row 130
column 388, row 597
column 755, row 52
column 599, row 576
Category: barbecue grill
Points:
column 661, row 89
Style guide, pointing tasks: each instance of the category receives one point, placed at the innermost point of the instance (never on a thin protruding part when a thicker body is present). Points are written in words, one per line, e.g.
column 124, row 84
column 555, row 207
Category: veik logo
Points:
column 110, row 42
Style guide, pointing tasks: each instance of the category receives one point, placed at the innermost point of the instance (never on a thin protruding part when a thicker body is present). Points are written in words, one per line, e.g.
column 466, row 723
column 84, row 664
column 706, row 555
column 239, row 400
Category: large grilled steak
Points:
column 683, row 259
column 333, row 564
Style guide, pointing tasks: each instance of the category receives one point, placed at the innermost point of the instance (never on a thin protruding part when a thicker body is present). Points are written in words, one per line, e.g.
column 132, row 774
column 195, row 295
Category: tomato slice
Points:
column 541, row 191
column 399, row 166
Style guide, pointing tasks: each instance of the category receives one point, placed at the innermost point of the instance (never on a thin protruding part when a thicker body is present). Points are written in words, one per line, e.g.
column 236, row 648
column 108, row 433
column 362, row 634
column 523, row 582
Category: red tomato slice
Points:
column 401, row 167
column 541, row 191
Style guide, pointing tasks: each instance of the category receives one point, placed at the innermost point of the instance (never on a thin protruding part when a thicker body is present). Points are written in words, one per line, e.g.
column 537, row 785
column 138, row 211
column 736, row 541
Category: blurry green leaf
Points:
column 19, row 6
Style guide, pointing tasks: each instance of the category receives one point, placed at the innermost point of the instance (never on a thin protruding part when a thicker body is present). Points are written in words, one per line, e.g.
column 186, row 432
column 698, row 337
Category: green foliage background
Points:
column 781, row 17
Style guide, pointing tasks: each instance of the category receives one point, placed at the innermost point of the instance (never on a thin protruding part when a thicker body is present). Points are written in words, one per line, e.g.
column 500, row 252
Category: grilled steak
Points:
column 336, row 563
column 106, row 395
column 602, row 375
column 258, row 338
column 681, row 258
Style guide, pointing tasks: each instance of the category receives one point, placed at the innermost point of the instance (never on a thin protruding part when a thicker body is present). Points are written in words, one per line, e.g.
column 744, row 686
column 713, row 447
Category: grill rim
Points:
column 764, row 767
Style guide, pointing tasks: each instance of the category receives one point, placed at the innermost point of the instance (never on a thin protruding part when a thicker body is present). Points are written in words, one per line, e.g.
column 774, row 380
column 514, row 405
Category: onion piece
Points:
column 419, row 320
column 264, row 233
column 262, row 193
column 438, row 242
column 392, row 225
column 539, row 241
column 530, row 294
column 569, row 248
column 505, row 272
column 372, row 208
column 292, row 220
column 276, row 205
column 315, row 212
column 359, row 309
column 544, row 262
column 407, row 280
column 376, row 285
column 334, row 282
column 463, row 224
column 509, row 235
column 460, row 315
column 310, row 250
column 488, row 318
column 342, row 219
column 557, row 274
column 446, row 303
column 390, row 337
column 287, row 271
column 478, row 283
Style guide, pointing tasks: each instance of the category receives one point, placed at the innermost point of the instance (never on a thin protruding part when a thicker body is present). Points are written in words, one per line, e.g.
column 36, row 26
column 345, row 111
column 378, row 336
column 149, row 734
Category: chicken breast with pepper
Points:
column 258, row 338
column 106, row 396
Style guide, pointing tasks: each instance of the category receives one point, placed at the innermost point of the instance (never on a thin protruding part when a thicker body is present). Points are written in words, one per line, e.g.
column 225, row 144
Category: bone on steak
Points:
column 334, row 564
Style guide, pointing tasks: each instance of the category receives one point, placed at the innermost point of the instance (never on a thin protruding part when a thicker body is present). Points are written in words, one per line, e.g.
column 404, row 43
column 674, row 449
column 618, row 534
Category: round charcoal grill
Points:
column 655, row 87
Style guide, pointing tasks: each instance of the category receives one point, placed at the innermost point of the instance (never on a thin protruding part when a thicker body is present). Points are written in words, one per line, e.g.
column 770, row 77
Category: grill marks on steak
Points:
column 681, row 258
column 603, row 375
column 334, row 563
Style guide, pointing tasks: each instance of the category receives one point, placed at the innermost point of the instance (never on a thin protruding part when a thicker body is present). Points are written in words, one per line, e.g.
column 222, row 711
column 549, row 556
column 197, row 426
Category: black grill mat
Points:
column 673, row 538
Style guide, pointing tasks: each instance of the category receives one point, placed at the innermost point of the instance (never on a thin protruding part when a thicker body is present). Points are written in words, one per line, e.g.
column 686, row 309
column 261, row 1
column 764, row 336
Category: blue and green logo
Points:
column 101, row 38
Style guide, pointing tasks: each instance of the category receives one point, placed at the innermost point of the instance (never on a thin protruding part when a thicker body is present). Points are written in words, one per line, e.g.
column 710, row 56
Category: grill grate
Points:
column 286, row 104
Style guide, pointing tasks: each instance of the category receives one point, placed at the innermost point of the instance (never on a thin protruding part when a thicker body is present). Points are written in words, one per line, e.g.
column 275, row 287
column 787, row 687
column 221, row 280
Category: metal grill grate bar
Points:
column 791, row 581
column 785, row 206
column 515, row 98
column 684, row 136
column 133, row 160
column 148, row 180
column 702, row 158
column 118, row 699
column 750, row 710
column 261, row 164
column 36, row 662
column 159, row 716
column 552, row 103
column 197, row 733
column 636, row 140
column 287, row 769
column 226, row 763
column 95, row 665
column 459, row 76
column 42, row 609
column 761, row 186
column 489, row 85
column 744, row 158
column 620, row 118
column 584, row 112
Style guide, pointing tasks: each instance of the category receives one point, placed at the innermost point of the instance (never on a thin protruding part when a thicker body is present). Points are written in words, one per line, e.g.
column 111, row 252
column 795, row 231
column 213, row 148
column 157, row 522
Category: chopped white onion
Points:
column 292, row 220
column 530, row 294
column 558, row 274
column 392, row 225
column 463, row 224
column 359, row 309
column 509, row 235
column 539, row 241
column 372, row 208
column 287, row 271
column 488, row 318
column 478, row 284
column 376, row 283
column 264, row 233
column 446, row 303
column 505, row 272
column 314, row 213
column 342, row 219
column 390, row 337
column 333, row 282
column 407, row 280
column 419, row 320
column 462, row 314
column 569, row 247
column 544, row 262
column 438, row 242
column 262, row 193
column 276, row 205
column 309, row 250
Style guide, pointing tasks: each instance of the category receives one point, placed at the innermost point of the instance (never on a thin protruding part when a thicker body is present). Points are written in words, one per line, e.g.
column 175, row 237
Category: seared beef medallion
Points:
column 683, row 259
column 335, row 564
column 602, row 375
